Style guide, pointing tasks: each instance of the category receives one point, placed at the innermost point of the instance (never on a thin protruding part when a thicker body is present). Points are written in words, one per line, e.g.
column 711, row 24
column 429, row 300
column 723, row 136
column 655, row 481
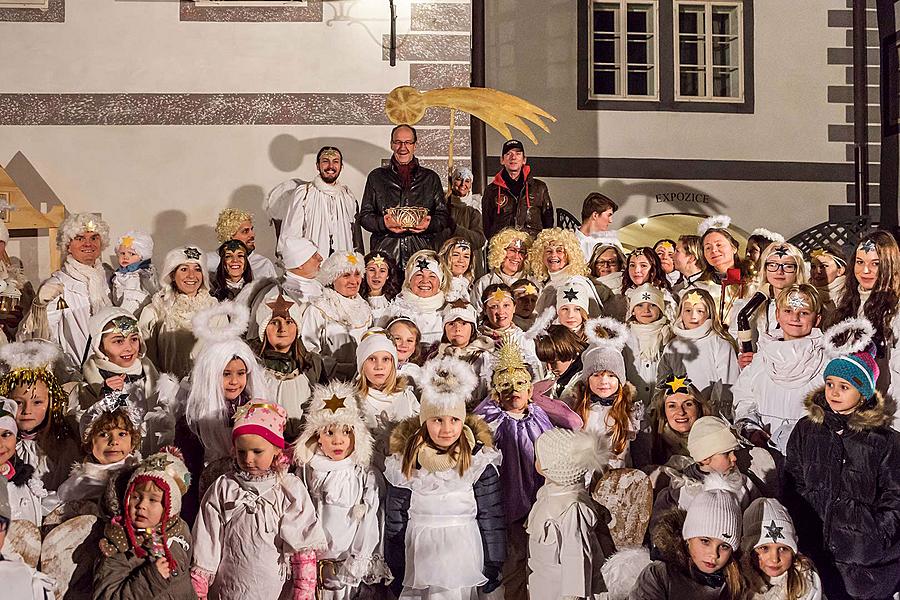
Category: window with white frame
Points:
column 624, row 49
column 709, row 51
column 39, row 4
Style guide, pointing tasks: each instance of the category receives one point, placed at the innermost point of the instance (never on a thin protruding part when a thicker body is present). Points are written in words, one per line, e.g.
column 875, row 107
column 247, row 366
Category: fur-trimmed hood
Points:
column 876, row 412
column 665, row 538
column 406, row 429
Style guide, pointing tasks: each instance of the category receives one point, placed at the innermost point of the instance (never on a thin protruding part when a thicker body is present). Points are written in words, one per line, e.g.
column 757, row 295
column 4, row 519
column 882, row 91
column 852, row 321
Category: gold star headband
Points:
column 693, row 298
column 499, row 295
column 123, row 325
column 377, row 260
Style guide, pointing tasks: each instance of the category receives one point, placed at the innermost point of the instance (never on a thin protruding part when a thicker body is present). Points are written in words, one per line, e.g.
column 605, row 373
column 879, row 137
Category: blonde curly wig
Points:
column 228, row 222
column 566, row 239
column 78, row 223
column 502, row 239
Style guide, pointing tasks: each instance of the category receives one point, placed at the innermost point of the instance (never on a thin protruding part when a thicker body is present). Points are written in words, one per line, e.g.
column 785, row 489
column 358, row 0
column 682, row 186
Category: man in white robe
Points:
column 235, row 224
column 301, row 261
column 323, row 210
column 65, row 302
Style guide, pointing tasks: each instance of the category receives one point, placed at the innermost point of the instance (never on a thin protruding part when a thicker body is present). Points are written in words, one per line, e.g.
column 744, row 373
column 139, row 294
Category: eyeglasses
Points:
column 773, row 267
column 608, row 263
column 403, row 143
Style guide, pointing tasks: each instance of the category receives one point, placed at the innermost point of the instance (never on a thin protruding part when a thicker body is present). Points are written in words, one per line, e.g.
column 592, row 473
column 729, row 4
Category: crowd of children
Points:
column 580, row 420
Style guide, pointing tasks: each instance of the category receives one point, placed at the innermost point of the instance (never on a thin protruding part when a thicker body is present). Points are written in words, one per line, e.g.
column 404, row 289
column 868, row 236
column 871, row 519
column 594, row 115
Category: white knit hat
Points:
column 374, row 340
column 645, row 293
column 333, row 404
column 138, row 242
column 182, row 256
column 123, row 320
column 340, row 263
column 714, row 513
column 711, row 435
column 424, row 260
column 447, row 384
column 575, row 292
column 8, row 410
column 766, row 521
column 295, row 251
column 566, row 456
column 273, row 302
column 604, row 353
column 462, row 310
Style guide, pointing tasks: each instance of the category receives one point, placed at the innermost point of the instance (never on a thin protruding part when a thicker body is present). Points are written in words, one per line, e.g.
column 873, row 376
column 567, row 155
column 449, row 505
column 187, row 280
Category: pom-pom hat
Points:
column 565, row 456
column 766, row 521
column 447, row 384
column 334, row 404
column 607, row 338
column 714, row 513
column 263, row 419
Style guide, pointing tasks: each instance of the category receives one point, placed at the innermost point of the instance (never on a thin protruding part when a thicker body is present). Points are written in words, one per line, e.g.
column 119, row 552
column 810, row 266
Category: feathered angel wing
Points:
column 498, row 109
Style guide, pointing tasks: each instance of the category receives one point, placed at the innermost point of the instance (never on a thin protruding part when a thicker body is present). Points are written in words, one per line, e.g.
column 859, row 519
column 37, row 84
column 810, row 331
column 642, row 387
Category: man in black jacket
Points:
column 514, row 198
column 402, row 184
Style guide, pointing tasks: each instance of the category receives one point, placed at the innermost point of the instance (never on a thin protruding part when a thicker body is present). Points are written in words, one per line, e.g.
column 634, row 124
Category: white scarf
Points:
column 178, row 312
column 509, row 279
column 423, row 305
column 863, row 298
column 302, row 288
column 613, row 281
column 324, row 214
column 103, row 363
column 651, row 338
column 692, row 334
column 834, row 290
column 353, row 313
column 95, row 279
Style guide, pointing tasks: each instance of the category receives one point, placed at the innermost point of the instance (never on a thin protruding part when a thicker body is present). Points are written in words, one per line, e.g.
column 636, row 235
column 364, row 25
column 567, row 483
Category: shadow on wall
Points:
column 172, row 225
column 288, row 153
column 659, row 197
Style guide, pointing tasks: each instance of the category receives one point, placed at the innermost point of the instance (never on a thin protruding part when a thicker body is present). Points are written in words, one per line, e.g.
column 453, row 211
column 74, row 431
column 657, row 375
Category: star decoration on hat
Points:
column 774, row 532
column 867, row 246
column 90, row 226
column 694, row 298
column 422, row 264
column 780, row 251
column 334, row 403
column 127, row 241
column 570, row 294
column 281, row 307
column 675, row 384
column 459, row 304
column 351, row 258
column 646, row 296
column 192, row 253
column 157, row 463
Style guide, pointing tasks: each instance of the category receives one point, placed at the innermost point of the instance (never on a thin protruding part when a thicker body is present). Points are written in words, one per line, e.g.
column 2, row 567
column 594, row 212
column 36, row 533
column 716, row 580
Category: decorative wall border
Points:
column 55, row 13
column 311, row 13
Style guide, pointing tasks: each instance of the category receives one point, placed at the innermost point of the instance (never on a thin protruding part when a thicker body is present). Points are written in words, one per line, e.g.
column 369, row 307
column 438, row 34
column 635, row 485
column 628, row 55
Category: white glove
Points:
column 49, row 291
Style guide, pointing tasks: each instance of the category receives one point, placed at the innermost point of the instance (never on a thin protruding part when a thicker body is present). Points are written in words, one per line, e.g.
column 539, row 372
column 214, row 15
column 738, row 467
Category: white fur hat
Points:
column 574, row 291
column 77, row 223
column 646, row 293
column 124, row 322
column 295, row 251
column 714, row 513
column 374, row 340
column 766, row 521
column 566, row 456
column 139, row 242
column 267, row 304
column 334, row 404
column 8, row 410
column 182, row 256
column 447, row 384
column 340, row 263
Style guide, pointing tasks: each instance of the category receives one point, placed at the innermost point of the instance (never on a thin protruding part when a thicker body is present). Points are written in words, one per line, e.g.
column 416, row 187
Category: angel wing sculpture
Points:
column 498, row 109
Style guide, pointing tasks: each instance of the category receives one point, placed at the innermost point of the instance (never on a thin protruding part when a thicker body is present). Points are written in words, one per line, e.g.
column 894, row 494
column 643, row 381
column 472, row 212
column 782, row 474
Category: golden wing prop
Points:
column 498, row 109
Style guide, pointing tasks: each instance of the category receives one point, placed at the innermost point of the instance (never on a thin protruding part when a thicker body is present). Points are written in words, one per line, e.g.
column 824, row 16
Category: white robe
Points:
column 22, row 582
column 346, row 498
column 246, row 532
column 132, row 291
column 380, row 412
column 88, row 479
column 29, row 502
column 597, row 424
column 771, row 390
column 324, row 214
column 332, row 326
column 380, row 306
column 301, row 290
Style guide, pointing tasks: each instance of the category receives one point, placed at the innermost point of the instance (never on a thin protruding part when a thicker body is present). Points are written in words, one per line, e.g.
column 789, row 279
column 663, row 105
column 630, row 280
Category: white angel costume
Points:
column 323, row 213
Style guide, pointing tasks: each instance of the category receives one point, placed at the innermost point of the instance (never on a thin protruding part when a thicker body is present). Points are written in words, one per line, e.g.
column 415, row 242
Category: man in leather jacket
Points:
column 514, row 198
column 401, row 183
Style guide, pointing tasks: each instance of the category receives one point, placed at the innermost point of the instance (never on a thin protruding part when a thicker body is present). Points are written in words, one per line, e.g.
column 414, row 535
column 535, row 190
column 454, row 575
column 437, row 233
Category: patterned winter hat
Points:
column 565, row 456
column 766, row 521
column 334, row 404
column 8, row 409
column 447, row 384
column 607, row 338
column 714, row 513
column 109, row 403
column 576, row 292
column 858, row 369
column 263, row 419
column 138, row 242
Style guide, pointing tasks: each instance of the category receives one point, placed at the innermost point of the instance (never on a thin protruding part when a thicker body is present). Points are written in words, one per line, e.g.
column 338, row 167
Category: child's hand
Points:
column 744, row 359
column 116, row 382
column 162, row 565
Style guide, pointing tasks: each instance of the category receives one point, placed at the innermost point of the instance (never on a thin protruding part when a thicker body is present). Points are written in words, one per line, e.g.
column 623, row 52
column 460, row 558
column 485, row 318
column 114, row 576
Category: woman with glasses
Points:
column 507, row 252
column 606, row 265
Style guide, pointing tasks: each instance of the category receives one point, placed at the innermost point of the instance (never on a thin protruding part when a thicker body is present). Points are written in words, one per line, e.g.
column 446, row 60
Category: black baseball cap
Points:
column 512, row 145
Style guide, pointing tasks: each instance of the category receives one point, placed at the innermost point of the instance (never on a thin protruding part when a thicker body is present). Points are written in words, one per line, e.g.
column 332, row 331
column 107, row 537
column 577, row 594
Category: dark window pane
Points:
column 638, row 52
column 604, row 82
column 604, row 20
column 690, row 52
column 638, row 83
column 605, row 51
column 689, row 22
column 638, row 21
column 721, row 22
column 691, row 83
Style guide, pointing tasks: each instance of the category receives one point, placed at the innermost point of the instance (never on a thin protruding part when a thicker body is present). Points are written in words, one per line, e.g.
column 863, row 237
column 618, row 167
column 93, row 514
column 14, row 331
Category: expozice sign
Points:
column 683, row 197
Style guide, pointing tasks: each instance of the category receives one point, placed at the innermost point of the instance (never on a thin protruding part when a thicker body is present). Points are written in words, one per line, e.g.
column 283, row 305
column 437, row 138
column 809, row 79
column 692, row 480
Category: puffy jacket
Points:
column 843, row 492
column 383, row 191
column 488, row 499
column 531, row 211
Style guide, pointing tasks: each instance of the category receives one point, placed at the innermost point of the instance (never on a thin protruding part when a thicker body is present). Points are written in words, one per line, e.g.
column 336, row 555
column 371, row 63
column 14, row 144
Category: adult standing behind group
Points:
column 236, row 224
column 394, row 192
column 324, row 210
column 514, row 198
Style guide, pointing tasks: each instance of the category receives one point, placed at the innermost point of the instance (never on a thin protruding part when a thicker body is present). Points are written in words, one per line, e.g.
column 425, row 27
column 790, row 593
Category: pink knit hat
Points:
column 260, row 418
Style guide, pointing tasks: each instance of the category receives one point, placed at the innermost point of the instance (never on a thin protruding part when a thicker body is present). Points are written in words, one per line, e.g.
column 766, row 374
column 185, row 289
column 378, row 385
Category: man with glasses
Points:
column 514, row 198
column 403, row 204
column 323, row 210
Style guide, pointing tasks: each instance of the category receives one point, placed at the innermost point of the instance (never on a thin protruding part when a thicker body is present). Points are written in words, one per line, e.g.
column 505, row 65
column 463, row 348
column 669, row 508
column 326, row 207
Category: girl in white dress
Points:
column 381, row 283
column 26, row 492
column 456, row 258
column 257, row 531
column 445, row 529
column 648, row 333
column 335, row 454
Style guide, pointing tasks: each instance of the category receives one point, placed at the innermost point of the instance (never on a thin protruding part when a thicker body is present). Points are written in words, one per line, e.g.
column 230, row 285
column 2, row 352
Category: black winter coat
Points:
column 383, row 191
column 843, row 493
column 532, row 211
column 488, row 499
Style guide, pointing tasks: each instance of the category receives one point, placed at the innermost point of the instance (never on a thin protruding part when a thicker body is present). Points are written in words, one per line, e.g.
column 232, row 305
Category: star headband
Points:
column 424, row 264
column 867, row 246
column 231, row 246
column 462, row 244
column 820, row 252
column 498, row 296
column 330, row 153
column 693, row 298
column 781, row 251
column 675, row 384
column 527, row 290
column 377, row 260
column 796, row 301
column 123, row 325
column 666, row 245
